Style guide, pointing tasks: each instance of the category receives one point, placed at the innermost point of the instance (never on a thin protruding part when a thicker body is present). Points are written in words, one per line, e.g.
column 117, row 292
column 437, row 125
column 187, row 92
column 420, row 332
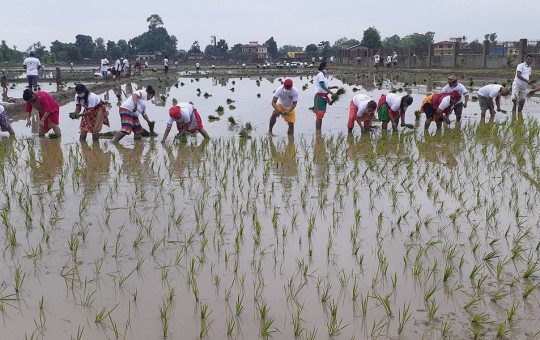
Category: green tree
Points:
column 211, row 50
column 100, row 48
column 157, row 39
column 393, row 41
column 40, row 50
column 155, row 22
column 492, row 37
column 86, row 45
column 311, row 49
column 195, row 48
column 371, row 38
column 222, row 46
column 283, row 50
column 324, row 47
column 417, row 39
column 272, row 47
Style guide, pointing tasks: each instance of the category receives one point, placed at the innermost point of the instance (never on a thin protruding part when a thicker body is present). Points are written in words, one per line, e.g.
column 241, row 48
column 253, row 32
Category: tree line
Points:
column 157, row 39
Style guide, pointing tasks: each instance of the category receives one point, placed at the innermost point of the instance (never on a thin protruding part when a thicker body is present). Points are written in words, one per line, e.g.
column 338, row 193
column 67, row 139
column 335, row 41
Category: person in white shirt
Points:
column 130, row 110
column 321, row 96
column 104, row 66
column 165, row 64
column 32, row 67
column 394, row 59
column 127, row 68
column 486, row 94
column 361, row 109
column 284, row 104
column 197, row 67
column 94, row 113
column 117, row 68
column 187, row 119
column 454, row 85
column 521, row 82
column 391, row 108
column 388, row 61
column 377, row 60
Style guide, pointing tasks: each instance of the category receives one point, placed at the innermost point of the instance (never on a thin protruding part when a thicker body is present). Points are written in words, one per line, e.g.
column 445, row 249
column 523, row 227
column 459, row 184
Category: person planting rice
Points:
column 4, row 122
column 284, row 102
column 187, row 119
column 438, row 106
column 486, row 94
column 321, row 95
column 454, row 85
column 391, row 107
column 94, row 115
column 48, row 110
column 362, row 110
column 521, row 82
column 130, row 110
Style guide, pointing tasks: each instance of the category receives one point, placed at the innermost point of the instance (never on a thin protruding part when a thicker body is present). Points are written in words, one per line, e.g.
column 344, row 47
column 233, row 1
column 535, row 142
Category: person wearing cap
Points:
column 486, row 94
column 362, row 110
column 521, row 83
column 437, row 107
column 454, row 85
column 391, row 108
column 284, row 104
column 130, row 110
column 321, row 96
column 94, row 115
column 4, row 122
column 48, row 110
column 187, row 119
column 32, row 67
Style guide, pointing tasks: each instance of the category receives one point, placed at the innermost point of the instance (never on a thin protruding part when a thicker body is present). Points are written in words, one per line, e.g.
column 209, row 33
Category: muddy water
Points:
column 147, row 234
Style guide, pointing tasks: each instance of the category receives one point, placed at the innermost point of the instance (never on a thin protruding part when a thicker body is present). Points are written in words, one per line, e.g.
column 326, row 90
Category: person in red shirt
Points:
column 436, row 106
column 48, row 110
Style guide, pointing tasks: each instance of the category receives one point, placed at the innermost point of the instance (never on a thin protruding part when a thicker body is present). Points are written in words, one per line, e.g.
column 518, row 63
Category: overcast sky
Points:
column 292, row 22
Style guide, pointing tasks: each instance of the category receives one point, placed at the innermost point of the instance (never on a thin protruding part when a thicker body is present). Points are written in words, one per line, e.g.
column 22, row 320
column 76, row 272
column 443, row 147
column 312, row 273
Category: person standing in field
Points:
column 377, row 60
column 4, row 122
column 388, row 61
column 197, row 67
column 438, row 106
column 391, row 108
column 187, row 119
column 3, row 80
column 94, row 115
column 32, row 66
column 127, row 67
column 486, row 94
column 520, row 84
column 130, row 110
column 362, row 110
column 454, row 85
column 48, row 109
column 104, row 66
column 394, row 59
column 284, row 104
column 322, row 90
column 166, row 65
column 58, row 76
column 117, row 68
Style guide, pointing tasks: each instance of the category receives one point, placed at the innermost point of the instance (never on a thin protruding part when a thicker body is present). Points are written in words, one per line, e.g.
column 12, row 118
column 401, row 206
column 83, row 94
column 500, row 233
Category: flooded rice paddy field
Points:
column 400, row 235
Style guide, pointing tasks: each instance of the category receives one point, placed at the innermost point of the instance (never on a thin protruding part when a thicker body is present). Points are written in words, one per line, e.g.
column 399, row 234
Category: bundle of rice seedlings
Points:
column 341, row 91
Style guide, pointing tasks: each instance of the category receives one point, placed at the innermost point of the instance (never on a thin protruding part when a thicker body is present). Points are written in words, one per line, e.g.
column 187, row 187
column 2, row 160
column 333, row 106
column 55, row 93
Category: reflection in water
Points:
column 285, row 162
column 359, row 148
column 50, row 164
column 320, row 157
column 131, row 158
column 97, row 163
column 440, row 149
column 185, row 157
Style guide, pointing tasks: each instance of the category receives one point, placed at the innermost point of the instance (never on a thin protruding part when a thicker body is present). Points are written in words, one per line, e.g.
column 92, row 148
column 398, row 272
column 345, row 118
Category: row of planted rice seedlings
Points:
column 276, row 237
